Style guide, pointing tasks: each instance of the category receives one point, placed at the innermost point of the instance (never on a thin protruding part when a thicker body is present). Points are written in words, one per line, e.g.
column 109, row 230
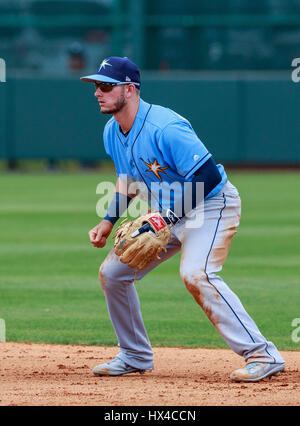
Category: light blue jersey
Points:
column 161, row 148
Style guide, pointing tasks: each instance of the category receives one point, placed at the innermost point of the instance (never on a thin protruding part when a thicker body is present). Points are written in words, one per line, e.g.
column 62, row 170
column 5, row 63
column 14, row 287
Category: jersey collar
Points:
column 138, row 121
column 143, row 109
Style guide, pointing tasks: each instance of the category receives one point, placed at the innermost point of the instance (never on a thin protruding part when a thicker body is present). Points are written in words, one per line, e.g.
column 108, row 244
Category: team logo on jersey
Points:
column 104, row 63
column 155, row 168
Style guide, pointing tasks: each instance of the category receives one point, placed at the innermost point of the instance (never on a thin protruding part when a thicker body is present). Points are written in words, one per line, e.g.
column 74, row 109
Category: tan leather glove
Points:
column 140, row 250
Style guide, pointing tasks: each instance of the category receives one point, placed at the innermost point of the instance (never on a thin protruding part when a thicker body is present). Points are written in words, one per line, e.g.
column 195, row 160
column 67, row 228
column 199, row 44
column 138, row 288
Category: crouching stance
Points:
column 152, row 145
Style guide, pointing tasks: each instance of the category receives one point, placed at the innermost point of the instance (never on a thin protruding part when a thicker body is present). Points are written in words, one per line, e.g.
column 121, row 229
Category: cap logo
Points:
column 128, row 78
column 103, row 64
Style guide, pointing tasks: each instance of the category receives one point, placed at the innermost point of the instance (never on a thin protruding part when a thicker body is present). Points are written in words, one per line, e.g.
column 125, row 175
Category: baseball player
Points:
column 152, row 145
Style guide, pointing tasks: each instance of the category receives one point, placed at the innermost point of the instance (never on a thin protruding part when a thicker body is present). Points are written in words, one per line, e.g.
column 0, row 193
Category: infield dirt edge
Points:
column 61, row 375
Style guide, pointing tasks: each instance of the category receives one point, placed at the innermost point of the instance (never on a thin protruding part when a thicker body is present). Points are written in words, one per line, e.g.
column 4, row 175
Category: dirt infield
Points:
column 57, row 375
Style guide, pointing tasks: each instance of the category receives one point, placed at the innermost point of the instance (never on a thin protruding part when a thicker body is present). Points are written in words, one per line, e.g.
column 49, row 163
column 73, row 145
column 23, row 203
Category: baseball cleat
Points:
column 116, row 367
column 255, row 371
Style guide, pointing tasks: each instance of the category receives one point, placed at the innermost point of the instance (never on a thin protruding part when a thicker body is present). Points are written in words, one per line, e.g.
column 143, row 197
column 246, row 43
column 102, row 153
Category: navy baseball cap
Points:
column 116, row 70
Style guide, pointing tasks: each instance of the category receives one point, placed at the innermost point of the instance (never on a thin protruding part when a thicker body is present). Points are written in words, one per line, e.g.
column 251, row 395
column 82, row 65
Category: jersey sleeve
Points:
column 182, row 148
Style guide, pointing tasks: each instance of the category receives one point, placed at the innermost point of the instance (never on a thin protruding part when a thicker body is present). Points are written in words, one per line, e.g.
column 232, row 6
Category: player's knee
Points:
column 102, row 277
column 193, row 279
column 107, row 276
column 111, row 277
column 195, row 273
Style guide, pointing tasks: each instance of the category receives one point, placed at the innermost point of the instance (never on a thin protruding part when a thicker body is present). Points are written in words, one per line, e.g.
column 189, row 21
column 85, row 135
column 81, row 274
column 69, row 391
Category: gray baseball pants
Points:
column 203, row 253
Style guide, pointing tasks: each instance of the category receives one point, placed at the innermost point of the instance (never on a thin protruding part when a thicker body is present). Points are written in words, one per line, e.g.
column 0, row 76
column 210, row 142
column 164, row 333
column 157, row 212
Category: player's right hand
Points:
column 99, row 234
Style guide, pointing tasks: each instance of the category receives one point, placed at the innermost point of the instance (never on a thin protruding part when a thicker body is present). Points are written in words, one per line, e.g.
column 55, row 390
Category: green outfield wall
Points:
column 242, row 118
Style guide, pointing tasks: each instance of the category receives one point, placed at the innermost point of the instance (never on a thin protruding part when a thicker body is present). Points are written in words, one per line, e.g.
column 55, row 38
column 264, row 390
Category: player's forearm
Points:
column 119, row 203
column 122, row 188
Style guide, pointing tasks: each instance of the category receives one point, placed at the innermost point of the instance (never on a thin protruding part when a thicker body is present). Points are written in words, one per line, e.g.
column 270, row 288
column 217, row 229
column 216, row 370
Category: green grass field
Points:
column 49, row 289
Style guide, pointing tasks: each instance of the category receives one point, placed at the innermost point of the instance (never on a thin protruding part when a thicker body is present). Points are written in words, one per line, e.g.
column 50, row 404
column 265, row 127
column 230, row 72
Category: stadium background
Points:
column 227, row 67
column 223, row 64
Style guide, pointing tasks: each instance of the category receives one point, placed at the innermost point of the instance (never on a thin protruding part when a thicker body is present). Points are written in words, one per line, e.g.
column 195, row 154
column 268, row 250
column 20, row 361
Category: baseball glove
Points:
column 138, row 248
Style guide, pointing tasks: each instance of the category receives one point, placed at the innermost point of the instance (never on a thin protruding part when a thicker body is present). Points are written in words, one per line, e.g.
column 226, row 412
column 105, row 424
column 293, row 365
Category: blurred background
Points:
column 225, row 65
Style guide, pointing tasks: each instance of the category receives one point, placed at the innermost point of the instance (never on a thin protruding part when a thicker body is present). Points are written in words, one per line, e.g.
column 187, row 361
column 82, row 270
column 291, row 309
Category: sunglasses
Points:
column 107, row 87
